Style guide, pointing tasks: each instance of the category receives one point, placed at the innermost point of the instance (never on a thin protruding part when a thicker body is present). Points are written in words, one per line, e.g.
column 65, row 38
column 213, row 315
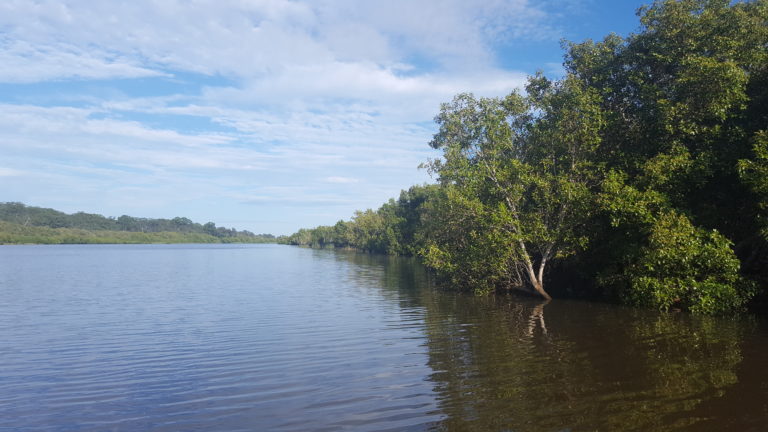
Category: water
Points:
column 279, row 338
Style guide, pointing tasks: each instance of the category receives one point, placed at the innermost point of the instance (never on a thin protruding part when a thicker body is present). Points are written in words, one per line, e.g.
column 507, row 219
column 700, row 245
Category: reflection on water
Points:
column 517, row 364
column 499, row 366
column 509, row 364
column 288, row 339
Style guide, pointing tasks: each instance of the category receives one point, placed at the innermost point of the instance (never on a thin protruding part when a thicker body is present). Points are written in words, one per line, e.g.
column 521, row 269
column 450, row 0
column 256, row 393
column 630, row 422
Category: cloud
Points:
column 64, row 137
column 322, row 201
column 70, row 134
column 250, row 39
column 341, row 180
column 24, row 62
column 395, row 60
column 364, row 88
column 10, row 172
column 292, row 92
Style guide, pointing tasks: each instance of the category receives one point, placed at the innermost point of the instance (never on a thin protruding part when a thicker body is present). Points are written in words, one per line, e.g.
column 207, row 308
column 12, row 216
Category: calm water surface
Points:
column 278, row 338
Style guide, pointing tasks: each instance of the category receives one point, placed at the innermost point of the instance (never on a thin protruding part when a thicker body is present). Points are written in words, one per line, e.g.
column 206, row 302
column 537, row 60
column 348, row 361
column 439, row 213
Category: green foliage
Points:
column 374, row 231
column 26, row 224
column 685, row 96
column 641, row 174
column 392, row 229
column 522, row 168
column 627, row 205
column 667, row 261
column 20, row 234
column 686, row 103
column 754, row 172
column 686, row 267
column 467, row 245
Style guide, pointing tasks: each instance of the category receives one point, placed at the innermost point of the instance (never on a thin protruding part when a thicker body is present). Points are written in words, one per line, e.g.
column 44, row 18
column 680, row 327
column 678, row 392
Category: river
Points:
column 280, row 338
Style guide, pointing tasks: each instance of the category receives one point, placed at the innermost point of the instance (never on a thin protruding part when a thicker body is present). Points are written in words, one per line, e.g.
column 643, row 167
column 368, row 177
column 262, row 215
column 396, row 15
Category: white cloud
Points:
column 342, row 180
column 314, row 88
column 246, row 39
column 71, row 137
column 10, row 172
column 24, row 62
column 372, row 88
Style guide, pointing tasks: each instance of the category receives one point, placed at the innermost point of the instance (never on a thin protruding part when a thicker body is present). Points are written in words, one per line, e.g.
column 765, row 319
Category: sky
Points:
column 265, row 115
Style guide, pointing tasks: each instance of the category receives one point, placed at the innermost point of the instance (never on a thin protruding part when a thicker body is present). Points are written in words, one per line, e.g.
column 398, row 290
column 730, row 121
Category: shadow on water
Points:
column 508, row 363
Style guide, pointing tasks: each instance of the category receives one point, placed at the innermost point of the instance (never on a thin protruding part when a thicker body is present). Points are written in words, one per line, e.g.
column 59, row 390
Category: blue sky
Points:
column 262, row 115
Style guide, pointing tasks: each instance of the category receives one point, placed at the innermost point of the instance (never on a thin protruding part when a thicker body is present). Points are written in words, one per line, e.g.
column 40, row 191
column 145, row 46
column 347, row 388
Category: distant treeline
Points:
column 396, row 228
column 641, row 176
column 20, row 223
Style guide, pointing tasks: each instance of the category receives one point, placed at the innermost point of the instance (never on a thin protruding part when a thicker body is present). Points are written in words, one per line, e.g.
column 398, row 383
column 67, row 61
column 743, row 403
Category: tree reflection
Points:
column 537, row 319
column 499, row 365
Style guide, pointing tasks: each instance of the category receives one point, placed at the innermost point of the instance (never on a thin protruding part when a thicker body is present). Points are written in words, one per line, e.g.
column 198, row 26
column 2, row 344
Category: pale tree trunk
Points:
column 538, row 287
column 536, row 279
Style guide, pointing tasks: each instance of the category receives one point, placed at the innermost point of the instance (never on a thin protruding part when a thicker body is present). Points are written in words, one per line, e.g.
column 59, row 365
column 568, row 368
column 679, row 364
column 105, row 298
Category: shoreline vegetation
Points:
column 21, row 224
column 640, row 177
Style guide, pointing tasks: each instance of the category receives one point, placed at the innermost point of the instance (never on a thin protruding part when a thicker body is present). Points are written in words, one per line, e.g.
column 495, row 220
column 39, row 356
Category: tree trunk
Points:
column 537, row 282
column 538, row 288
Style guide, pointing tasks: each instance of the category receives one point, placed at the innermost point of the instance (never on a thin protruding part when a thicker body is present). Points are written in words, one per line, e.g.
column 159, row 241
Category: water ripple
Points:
column 270, row 338
column 208, row 342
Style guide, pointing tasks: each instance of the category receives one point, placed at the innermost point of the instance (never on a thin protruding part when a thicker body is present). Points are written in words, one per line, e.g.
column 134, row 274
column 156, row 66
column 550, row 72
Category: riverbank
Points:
column 11, row 233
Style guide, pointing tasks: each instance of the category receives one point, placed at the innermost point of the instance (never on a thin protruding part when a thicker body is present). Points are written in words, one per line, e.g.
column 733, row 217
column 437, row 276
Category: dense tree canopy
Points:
column 522, row 168
column 640, row 176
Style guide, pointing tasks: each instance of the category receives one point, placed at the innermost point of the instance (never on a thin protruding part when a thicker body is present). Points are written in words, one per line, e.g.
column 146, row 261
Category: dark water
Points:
column 277, row 338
